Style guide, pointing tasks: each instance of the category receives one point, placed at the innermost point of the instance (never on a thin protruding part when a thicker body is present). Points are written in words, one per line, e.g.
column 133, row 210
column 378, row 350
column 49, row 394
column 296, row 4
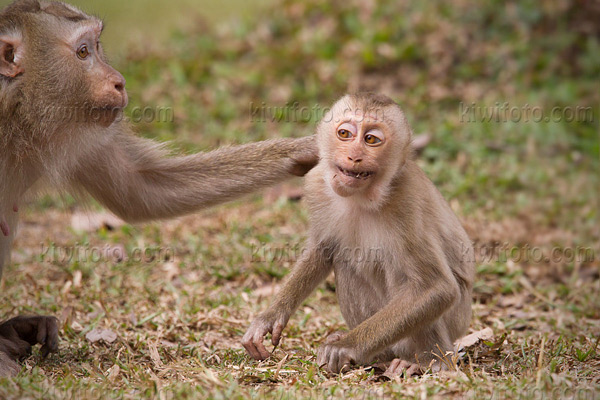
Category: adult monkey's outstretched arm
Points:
column 136, row 179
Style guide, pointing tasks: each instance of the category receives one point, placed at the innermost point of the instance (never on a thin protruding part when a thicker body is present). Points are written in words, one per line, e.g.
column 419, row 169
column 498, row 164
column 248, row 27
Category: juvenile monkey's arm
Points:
column 310, row 270
column 418, row 303
column 136, row 179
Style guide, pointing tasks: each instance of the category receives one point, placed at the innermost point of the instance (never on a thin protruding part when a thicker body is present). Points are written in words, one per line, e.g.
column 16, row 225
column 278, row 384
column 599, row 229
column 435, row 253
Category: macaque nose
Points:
column 120, row 84
column 354, row 160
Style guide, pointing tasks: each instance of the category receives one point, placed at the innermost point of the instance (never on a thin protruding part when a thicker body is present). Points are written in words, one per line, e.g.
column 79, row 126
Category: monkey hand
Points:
column 334, row 355
column 18, row 334
column 267, row 322
column 306, row 156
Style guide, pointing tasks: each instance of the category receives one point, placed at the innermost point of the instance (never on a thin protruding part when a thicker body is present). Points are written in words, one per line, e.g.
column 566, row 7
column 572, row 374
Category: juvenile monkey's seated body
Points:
column 403, row 264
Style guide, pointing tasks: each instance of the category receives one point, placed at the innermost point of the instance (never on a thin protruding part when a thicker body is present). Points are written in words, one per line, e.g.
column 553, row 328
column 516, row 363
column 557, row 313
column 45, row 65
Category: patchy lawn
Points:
column 173, row 310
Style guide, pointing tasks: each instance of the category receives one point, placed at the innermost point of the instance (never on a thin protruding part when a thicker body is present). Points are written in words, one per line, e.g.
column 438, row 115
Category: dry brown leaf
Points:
column 98, row 334
column 91, row 222
column 153, row 350
column 113, row 372
column 474, row 338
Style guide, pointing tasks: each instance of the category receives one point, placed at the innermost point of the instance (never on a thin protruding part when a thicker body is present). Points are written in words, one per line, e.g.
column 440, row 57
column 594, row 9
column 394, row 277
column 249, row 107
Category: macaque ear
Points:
column 11, row 56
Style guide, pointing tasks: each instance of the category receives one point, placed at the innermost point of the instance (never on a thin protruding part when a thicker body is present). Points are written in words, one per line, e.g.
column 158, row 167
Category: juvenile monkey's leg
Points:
column 405, row 316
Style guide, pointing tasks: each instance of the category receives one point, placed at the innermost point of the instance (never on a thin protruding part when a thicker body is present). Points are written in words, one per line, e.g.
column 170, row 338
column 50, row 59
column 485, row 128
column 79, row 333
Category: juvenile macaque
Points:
column 402, row 261
column 59, row 103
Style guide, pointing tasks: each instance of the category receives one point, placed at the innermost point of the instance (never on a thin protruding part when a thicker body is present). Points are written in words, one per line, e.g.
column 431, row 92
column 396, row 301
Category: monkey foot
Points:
column 19, row 334
column 402, row 368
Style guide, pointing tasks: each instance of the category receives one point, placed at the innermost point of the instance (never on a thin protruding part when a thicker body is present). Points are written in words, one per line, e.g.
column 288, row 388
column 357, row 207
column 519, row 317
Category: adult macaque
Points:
column 402, row 261
column 59, row 102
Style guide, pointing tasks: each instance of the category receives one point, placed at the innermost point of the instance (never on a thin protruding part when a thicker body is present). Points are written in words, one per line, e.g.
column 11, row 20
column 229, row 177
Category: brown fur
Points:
column 49, row 100
column 408, row 288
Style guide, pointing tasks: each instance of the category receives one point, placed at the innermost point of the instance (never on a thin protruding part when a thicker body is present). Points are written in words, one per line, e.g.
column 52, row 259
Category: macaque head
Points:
column 52, row 51
column 363, row 142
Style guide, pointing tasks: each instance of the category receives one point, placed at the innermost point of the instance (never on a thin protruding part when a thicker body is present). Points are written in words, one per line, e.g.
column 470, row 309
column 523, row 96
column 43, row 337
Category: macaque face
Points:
column 107, row 95
column 359, row 144
column 362, row 146
column 64, row 66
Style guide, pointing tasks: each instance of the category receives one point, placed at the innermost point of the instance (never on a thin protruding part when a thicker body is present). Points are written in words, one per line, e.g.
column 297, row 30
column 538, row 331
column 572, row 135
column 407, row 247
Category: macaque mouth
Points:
column 356, row 174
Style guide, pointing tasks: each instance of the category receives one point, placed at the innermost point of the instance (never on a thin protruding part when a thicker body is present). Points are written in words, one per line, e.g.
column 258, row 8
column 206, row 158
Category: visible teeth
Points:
column 353, row 174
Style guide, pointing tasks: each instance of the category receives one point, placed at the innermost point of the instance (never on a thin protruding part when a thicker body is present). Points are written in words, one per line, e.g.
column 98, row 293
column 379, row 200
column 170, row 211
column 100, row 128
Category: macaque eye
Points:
column 370, row 139
column 344, row 134
column 374, row 139
column 83, row 52
column 346, row 131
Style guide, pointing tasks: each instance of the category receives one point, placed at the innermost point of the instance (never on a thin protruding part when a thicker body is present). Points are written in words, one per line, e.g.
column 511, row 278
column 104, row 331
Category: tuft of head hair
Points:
column 371, row 100
column 11, row 15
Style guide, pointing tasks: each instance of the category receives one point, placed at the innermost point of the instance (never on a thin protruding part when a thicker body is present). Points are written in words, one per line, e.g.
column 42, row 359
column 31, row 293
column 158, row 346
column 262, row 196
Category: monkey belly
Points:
column 358, row 290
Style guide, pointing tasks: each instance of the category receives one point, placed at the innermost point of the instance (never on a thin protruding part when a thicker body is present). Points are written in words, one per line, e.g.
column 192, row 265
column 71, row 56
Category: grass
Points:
column 521, row 189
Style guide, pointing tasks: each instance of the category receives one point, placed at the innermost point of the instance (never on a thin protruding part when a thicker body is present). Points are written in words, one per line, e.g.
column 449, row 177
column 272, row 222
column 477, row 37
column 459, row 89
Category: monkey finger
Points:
column 333, row 365
column 414, row 370
column 251, row 349
column 401, row 367
column 4, row 228
column 261, row 349
column 404, row 365
column 248, row 348
column 276, row 336
column 248, row 343
column 321, row 357
column 394, row 365
column 346, row 361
